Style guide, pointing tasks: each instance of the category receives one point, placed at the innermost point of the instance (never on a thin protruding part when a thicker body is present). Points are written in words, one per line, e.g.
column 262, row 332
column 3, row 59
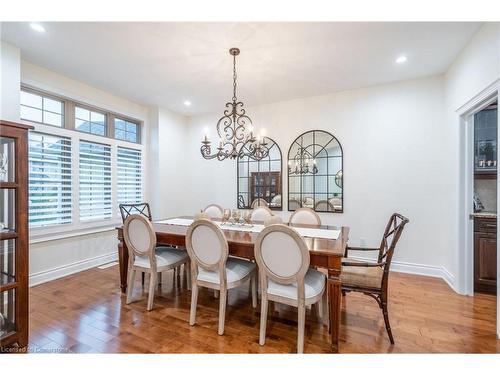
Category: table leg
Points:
column 334, row 296
column 123, row 265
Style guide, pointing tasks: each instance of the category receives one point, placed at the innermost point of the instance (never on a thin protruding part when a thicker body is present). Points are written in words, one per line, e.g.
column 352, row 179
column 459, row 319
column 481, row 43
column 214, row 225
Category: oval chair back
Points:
column 207, row 247
column 294, row 204
column 324, row 206
column 282, row 256
column 140, row 238
column 261, row 213
column 259, row 202
column 214, row 211
column 305, row 216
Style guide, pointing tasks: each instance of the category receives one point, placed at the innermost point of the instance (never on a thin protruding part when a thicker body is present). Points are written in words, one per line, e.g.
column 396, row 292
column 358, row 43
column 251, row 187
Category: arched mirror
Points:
column 315, row 176
column 259, row 181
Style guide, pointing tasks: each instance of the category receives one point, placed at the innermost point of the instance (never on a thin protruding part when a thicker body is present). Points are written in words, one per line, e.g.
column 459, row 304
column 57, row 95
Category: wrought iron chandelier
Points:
column 302, row 163
column 235, row 130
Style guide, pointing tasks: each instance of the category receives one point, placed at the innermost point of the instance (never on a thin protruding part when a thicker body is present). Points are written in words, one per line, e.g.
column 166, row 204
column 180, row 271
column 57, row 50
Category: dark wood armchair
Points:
column 372, row 278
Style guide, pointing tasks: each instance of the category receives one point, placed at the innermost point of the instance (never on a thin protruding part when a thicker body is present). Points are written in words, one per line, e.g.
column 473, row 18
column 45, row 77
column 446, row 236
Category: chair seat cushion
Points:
column 364, row 277
column 236, row 269
column 314, row 285
column 165, row 256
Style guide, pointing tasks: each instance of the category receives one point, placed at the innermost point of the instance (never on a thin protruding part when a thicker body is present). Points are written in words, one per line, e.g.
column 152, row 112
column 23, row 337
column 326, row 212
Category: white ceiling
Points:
column 166, row 63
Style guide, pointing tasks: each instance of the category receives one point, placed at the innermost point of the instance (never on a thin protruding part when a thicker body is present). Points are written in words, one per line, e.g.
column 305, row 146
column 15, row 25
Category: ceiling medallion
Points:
column 235, row 130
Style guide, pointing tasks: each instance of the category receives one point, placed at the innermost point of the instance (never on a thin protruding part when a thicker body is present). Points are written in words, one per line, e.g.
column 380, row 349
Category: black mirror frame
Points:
column 263, row 160
column 340, row 170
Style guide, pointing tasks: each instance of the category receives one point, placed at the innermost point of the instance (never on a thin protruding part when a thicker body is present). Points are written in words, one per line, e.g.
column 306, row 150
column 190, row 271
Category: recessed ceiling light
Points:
column 37, row 27
column 401, row 59
column 187, row 103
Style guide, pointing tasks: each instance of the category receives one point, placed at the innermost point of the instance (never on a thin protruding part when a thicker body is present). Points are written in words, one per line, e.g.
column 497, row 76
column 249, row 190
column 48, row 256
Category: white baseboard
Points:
column 419, row 269
column 68, row 269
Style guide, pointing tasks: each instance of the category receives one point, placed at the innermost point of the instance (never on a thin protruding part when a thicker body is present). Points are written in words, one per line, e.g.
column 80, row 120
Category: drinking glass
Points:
column 236, row 216
column 226, row 215
column 248, row 217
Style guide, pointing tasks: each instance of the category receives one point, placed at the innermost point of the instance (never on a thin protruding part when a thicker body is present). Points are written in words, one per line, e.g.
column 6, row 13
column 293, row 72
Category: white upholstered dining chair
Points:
column 144, row 256
column 259, row 202
column 273, row 220
column 306, row 216
column 210, row 267
column 214, row 211
column 285, row 276
column 261, row 213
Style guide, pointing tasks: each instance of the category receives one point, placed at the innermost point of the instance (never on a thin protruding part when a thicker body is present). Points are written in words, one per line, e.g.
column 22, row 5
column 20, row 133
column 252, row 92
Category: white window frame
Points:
column 76, row 227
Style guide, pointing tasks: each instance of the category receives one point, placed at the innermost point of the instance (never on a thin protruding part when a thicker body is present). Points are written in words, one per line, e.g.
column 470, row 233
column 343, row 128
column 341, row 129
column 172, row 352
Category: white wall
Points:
column 476, row 69
column 10, row 75
column 396, row 158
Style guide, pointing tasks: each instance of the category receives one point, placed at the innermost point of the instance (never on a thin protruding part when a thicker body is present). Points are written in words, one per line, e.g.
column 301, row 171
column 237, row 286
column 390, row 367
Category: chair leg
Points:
column 254, row 291
column 386, row 320
column 326, row 316
column 222, row 311
column 216, row 293
column 301, row 328
column 130, row 286
column 194, row 302
column 143, row 278
column 152, row 287
column 187, row 273
column 319, row 308
column 159, row 278
column 263, row 319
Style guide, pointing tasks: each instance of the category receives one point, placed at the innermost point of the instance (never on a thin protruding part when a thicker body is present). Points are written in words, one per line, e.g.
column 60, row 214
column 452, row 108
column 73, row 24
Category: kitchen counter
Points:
column 484, row 214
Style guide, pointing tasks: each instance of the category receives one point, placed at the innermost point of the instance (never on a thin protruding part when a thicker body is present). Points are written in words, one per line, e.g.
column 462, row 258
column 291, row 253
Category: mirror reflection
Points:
column 259, row 181
column 315, row 177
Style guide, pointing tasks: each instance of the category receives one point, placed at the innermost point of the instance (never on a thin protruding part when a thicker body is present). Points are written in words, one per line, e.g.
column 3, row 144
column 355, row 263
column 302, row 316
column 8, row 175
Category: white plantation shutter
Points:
column 49, row 180
column 95, row 181
column 129, row 175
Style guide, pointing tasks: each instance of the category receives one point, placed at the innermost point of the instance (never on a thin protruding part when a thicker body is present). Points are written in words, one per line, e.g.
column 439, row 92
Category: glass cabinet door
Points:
column 7, row 159
column 485, row 140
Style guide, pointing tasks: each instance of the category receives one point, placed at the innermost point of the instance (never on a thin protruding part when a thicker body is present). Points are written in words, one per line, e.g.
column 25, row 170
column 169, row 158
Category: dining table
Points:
column 325, row 253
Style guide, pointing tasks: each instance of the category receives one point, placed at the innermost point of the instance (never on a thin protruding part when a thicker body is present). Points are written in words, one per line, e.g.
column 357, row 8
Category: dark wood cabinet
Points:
column 485, row 255
column 14, row 239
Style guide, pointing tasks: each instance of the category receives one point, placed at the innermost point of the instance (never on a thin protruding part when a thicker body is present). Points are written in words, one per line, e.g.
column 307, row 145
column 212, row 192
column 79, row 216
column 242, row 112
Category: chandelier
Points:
column 302, row 163
column 235, row 130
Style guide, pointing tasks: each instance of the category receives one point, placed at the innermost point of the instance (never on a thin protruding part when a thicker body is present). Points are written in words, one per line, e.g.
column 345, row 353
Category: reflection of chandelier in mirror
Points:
column 233, row 130
column 303, row 163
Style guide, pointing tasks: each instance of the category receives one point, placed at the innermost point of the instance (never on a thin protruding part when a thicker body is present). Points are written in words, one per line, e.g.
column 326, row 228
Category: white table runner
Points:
column 332, row 234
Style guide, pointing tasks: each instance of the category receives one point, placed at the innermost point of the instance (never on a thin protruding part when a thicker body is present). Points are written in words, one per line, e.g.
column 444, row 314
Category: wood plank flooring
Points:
column 86, row 312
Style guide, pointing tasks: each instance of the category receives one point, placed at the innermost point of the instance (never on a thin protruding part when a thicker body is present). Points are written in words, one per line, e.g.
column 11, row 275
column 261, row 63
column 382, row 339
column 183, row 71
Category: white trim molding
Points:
column 69, row 269
column 419, row 269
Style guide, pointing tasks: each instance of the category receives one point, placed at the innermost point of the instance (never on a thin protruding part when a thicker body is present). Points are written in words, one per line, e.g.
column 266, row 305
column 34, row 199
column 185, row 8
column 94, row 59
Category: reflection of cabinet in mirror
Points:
column 13, row 234
column 260, row 179
column 315, row 172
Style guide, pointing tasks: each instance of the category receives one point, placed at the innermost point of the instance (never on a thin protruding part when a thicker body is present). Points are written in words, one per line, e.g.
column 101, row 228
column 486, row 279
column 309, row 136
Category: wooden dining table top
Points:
column 315, row 245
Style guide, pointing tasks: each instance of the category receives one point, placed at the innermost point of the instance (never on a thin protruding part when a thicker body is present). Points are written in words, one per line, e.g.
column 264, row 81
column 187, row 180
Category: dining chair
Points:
column 136, row 208
column 261, row 213
column 214, row 211
column 259, row 202
column 144, row 256
column 324, row 206
column 336, row 202
column 211, row 268
column 372, row 279
column 285, row 276
column 306, row 216
column 273, row 220
column 294, row 204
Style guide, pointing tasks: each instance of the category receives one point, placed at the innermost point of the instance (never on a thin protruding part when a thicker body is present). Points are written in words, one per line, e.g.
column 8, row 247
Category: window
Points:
column 49, row 180
column 39, row 108
column 129, row 175
column 95, row 181
column 90, row 121
column 126, row 130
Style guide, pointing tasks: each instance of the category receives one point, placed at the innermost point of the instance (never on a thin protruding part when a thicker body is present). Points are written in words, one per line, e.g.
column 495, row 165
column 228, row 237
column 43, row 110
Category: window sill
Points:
column 41, row 235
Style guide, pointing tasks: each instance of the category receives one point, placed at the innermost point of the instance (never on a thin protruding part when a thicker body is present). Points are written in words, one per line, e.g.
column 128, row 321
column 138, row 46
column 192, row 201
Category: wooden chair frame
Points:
column 223, row 286
column 305, row 209
column 151, row 254
column 259, row 202
column 392, row 233
column 301, row 302
column 216, row 206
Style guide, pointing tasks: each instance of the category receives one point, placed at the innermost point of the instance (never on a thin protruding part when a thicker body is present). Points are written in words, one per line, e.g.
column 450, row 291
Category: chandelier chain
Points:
column 234, row 78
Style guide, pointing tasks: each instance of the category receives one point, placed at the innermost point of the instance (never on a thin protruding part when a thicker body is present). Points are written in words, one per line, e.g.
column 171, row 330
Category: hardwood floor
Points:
column 86, row 312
